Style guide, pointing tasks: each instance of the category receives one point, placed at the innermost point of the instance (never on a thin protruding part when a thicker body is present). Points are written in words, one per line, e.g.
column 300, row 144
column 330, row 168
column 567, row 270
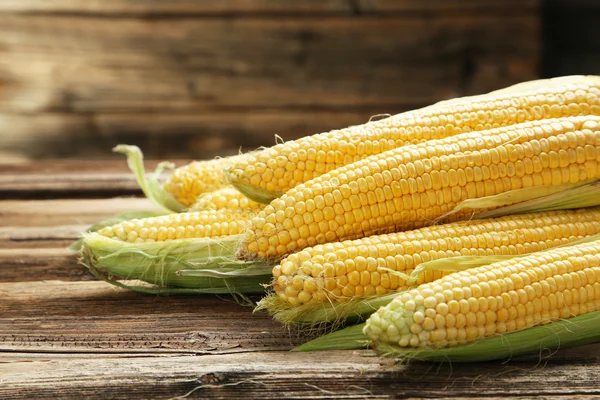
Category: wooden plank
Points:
column 19, row 234
column 328, row 375
column 96, row 317
column 84, row 167
column 176, row 7
column 403, row 6
column 75, row 179
column 95, row 179
column 67, row 184
column 61, row 63
column 34, row 263
column 53, row 213
column 245, row 7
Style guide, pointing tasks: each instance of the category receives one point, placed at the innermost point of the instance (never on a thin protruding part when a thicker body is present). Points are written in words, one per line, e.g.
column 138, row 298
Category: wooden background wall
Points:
column 199, row 78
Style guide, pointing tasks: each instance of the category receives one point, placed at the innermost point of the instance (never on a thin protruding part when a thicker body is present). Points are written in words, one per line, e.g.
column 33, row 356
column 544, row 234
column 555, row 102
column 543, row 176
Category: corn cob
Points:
column 499, row 298
column 198, row 224
column 410, row 187
column 267, row 174
column 366, row 267
column 225, row 198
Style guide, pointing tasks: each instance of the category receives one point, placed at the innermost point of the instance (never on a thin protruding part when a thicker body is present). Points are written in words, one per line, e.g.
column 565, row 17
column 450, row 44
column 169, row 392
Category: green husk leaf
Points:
column 450, row 264
column 324, row 316
column 531, row 199
column 576, row 331
column 201, row 265
column 151, row 186
column 587, row 195
column 253, row 192
column 583, row 329
column 351, row 338
column 121, row 217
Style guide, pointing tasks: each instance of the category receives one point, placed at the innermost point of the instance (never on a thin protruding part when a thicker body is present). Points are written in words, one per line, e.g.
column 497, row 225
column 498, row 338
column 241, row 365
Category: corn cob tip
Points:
column 234, row 177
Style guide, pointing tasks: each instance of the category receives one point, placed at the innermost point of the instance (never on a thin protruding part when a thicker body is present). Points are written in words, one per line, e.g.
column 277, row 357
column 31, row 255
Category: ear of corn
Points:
column 499, row 298
column 542, row 339
column 160, row 250
column 267, row 174
column 163, row 264
column 539, row 341
column 411, row 187
column 345, row 280
column 225, row 198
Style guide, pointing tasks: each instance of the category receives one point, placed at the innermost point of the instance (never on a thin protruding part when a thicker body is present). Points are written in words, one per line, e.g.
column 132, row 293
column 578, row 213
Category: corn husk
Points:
column 532, row 199
column 183, row 266
column 255, row 193
column 150, row 185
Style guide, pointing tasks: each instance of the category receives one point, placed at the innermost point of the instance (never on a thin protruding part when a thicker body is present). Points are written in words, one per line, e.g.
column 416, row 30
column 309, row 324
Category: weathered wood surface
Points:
column 53, row 179
column 236, row 7
column 63, row 334
column 195, row 78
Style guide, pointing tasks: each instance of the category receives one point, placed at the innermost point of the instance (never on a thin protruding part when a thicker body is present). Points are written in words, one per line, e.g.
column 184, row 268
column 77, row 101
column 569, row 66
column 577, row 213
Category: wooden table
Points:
column 63, row 334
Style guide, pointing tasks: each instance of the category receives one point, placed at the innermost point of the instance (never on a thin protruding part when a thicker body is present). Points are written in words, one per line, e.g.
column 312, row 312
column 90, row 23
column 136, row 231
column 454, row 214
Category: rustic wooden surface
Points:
column 200, row 78
column 63, row 334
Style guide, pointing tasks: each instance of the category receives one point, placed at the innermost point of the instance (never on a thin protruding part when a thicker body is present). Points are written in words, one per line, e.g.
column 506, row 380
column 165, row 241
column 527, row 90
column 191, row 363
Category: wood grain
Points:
column 206, row 78
column 73, row 179
column 330, row 375
column 96, row 317
column 61, row 63
column 245, row 7
column 35, row 213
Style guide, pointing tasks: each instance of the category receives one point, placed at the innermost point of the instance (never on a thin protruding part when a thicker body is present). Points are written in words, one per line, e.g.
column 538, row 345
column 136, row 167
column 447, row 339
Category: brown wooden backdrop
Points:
column 199, row 78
